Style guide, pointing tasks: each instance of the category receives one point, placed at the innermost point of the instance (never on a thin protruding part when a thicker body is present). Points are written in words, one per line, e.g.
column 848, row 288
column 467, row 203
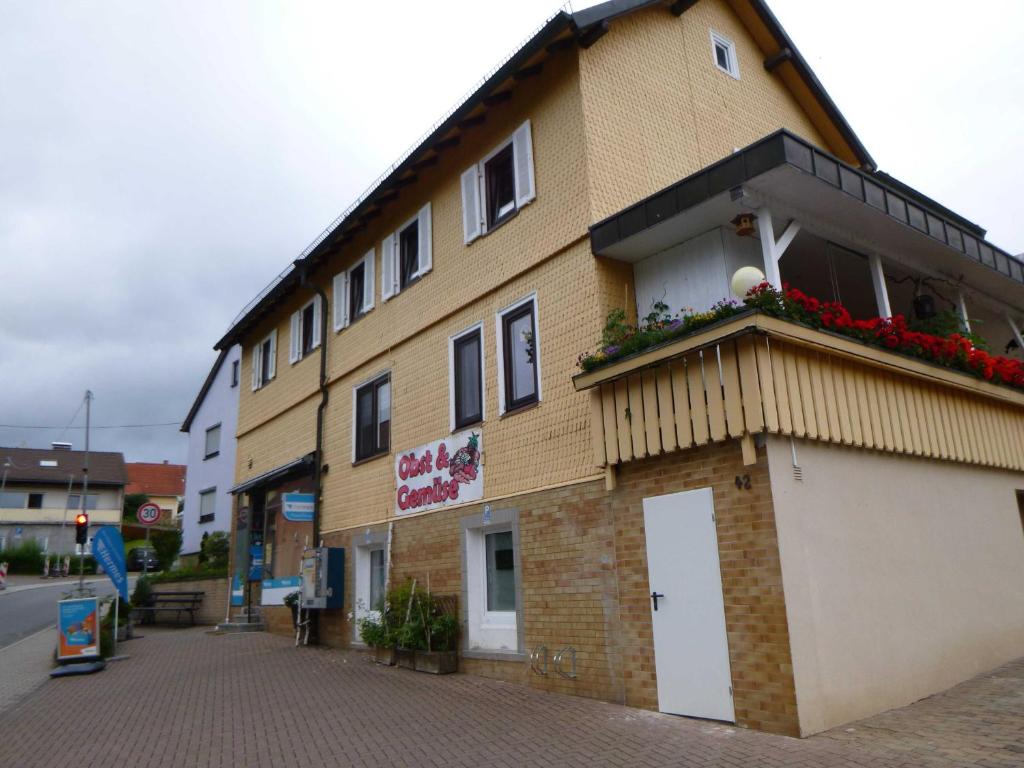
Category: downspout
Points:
column 321, row 409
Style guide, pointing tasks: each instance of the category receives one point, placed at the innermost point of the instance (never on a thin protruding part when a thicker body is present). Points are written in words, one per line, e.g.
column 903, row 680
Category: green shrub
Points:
column 215, row 550
column 189, row 574
column 24, row 558
column 167, row 545
column 143, row 591
column 414, row 619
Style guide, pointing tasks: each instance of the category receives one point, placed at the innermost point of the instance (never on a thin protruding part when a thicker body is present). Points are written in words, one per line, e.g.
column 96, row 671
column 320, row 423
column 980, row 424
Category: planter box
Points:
column 437, row 662
column 405, row 658
column 385, row 656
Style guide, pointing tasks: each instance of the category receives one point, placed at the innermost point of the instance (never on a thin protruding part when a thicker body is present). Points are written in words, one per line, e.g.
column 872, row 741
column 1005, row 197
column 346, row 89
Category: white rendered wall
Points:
column 695, row 274
column 220, row 406
column 902, row 576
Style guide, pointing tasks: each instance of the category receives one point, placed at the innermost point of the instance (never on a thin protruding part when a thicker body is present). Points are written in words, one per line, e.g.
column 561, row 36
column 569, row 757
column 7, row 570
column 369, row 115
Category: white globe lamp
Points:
column 744, row 279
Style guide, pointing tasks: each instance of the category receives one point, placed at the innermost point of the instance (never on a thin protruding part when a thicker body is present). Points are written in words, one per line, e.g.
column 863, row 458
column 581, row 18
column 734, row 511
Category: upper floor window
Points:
column 234, row 373
column 207, row 505
column 499, row 185
column 724, row 52
column 353, row 292
column 75, row 501
column 518, row 355
column 12, row 500
column 35, row 501
column 406, row 254
column 264, row 361
column 466, row 390
column 372, row 418
column 305, row 331
column 212, row 447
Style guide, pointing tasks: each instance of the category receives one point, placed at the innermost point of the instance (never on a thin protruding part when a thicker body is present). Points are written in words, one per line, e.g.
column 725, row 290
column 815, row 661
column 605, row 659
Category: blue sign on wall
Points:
column 297, row 507
column 108, row 549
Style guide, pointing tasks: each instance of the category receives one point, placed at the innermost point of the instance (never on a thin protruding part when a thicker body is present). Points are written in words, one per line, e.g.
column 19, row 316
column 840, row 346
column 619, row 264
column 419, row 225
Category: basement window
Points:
column 724, row 52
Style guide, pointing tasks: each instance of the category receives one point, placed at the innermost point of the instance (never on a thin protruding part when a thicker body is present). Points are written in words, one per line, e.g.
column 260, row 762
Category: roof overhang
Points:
column 296, row 468
column 795, row 179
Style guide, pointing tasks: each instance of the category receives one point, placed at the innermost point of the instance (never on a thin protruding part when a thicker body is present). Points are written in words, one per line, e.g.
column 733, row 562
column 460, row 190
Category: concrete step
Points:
column 241, row 626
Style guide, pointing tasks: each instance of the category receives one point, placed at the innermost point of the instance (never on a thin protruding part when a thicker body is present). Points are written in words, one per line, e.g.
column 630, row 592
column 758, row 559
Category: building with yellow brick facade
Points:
column 753, row 523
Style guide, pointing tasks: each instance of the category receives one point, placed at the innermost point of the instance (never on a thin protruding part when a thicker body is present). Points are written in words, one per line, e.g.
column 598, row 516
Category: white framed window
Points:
column 207, row 505
column 371, row 418
column 518, row 344
column 305, row 331
column 492, row 581
column 495, row 188
column 75, row 501
column 354, row 291
column 406, row 254
column 212, row 447
column 466, row 395
column 723, row 53
column 264, row 361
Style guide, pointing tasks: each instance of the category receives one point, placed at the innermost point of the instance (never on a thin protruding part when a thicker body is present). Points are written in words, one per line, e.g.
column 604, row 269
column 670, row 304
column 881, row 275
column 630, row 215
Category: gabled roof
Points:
column 156, row 479
column 24, row 465
column 187, row 424
column 584, row 28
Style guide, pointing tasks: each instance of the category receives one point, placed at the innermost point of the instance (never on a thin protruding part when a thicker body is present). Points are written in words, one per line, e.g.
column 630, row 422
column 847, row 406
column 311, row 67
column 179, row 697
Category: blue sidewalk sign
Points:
column 108, row 549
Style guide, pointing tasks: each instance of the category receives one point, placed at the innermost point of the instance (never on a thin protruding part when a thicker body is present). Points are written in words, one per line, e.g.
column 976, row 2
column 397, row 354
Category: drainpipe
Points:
column 320, row 411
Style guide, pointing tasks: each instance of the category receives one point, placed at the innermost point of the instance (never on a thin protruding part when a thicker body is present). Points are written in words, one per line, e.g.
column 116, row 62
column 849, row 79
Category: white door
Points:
column 691, row 651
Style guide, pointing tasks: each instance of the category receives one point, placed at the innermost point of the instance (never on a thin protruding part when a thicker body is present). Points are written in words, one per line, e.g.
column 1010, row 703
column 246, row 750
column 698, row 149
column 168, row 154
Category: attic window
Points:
column 724, row 52
column 47, row 463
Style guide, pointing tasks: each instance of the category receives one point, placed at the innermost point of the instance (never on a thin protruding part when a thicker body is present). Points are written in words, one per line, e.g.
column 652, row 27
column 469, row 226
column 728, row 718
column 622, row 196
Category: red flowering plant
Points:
column 956, row 350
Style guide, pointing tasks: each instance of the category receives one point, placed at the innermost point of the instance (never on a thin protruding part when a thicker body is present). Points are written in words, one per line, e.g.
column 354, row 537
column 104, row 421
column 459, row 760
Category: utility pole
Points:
column 85, row 493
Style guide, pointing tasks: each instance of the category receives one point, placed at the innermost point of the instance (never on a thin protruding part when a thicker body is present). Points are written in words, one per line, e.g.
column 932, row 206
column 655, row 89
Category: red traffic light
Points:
column 81, row 519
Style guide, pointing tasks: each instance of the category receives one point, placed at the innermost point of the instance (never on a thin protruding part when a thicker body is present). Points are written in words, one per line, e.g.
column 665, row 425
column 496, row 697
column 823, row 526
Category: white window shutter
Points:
column 471, row 219
column 256, row 367
column 426, row 256
column 388, row 268
column 369, row 267
column 340, row 291
column 272, row 368
column 317, row 317
column 522, row 149
column 295, row 338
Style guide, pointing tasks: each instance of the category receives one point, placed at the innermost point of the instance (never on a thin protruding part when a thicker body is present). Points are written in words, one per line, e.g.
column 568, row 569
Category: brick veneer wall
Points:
column 585, row 585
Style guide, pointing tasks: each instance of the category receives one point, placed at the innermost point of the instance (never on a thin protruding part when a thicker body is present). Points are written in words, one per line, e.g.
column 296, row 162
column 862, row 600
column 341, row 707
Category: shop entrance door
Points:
column 691, row 651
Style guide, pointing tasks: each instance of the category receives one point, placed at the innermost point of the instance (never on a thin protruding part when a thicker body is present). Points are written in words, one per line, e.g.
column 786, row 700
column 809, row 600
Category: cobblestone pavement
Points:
column 188, row 698
column 24, row 666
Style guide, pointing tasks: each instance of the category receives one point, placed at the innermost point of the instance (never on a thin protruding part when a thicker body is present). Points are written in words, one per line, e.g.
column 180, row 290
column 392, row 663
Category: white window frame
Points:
column 295, row 350
column 500, row 347
column 212, row 494
column 391, row 256
column 207, row 454
column 718, row 39
column 342, row 310
column 477, row 327
column 355, row 426
column 474, row 182
column 257, row 361
column 490, row 631
column 363, row 572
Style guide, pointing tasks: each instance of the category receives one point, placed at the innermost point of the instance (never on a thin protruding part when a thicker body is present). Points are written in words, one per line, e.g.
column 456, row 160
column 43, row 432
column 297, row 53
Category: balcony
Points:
column 754, row 373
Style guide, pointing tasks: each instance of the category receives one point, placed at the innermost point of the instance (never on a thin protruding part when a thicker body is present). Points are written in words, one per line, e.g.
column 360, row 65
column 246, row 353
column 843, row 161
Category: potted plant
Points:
column 441, row 629
column 377, row 634
column 292, row 601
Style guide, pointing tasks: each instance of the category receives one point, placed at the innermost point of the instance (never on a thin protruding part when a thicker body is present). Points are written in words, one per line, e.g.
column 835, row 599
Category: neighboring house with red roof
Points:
column 163, row 483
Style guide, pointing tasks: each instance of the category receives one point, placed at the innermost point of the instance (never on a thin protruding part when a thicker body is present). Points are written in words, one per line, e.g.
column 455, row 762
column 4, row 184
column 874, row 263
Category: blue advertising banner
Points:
column 237, row 595
column 297, row 507
column 78, row 622
column 108, row 549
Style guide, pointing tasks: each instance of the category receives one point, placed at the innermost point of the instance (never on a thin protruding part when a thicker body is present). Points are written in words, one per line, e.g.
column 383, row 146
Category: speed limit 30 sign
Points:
column 148, row 513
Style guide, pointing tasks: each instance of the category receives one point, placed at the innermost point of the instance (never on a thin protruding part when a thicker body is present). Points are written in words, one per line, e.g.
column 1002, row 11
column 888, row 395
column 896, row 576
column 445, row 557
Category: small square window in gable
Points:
column 723, row 51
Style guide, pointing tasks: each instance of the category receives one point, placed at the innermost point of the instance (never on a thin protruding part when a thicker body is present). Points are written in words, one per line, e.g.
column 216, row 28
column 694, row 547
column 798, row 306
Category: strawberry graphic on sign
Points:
column 463, row 464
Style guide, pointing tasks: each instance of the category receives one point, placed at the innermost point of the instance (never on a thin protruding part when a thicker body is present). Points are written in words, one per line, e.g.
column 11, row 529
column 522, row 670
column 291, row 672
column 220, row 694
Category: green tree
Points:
column 215, row 549
column 167, row 545
column 132, row 502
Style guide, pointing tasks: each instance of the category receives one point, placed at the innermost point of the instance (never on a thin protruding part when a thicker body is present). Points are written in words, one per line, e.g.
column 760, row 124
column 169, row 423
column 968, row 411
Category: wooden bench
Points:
column 165, row 602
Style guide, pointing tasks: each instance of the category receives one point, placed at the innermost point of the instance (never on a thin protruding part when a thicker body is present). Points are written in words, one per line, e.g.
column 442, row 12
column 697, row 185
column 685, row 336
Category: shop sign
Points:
column 78, row 625
column 297, row 507
column 276, row 590
column 439, row 474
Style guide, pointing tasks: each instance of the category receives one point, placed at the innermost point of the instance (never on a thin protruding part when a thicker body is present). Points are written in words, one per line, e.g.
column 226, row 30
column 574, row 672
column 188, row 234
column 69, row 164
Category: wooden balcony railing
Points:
column 756, row 373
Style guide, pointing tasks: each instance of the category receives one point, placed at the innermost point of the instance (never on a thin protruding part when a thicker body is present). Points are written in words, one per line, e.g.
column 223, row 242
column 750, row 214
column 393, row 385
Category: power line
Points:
column 94, row 426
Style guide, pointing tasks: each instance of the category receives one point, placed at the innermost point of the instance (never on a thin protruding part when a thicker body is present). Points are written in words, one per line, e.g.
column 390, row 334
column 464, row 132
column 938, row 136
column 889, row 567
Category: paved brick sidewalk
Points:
column 24, row 666
column 187, row 698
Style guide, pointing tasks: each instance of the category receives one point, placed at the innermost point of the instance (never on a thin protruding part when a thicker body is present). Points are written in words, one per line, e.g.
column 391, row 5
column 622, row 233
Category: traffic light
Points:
column 81, row 528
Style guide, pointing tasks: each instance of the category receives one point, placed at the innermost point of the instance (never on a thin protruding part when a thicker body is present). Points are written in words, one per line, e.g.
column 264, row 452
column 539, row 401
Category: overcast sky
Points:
column 160, row 162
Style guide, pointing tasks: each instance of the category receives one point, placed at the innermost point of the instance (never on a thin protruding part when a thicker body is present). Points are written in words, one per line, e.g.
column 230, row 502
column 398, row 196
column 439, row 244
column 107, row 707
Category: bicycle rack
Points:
column 537, row 655
column 560, row 657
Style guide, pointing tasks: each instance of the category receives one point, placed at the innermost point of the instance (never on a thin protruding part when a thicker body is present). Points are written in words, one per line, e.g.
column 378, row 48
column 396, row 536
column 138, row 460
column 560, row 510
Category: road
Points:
column 30, row 610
